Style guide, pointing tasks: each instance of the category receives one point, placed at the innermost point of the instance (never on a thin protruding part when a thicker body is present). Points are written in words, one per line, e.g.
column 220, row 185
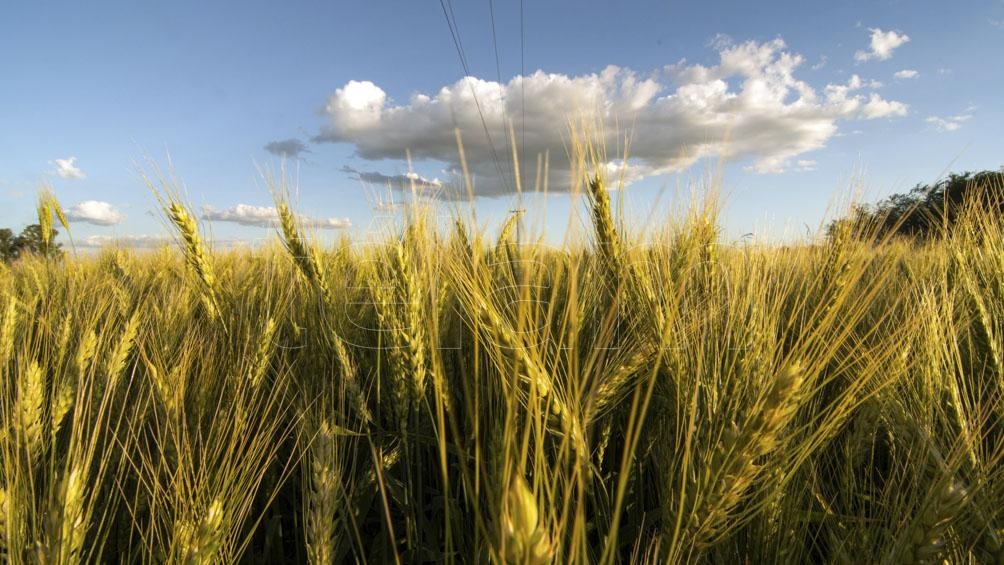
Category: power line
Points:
column 451, row 22
column 522, row 79
column 498, row 78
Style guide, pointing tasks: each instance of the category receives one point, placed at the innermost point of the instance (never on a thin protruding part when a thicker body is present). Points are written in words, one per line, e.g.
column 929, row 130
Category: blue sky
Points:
column 804, row 99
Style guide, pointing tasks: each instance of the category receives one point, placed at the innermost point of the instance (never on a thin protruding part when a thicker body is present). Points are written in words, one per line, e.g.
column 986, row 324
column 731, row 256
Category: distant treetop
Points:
column 928, row 211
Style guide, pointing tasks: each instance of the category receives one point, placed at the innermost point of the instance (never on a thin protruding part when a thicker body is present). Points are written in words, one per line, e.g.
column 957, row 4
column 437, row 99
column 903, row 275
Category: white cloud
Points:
column 125, row 241
column 65, row 168
column 883, row 43
column 951, row 123
column 94, row 212
column 823, row 59
column 906, row 73
column 877, row 107
column 148, row 241
column 751, row 105
column 999, row 24
column 266, row 216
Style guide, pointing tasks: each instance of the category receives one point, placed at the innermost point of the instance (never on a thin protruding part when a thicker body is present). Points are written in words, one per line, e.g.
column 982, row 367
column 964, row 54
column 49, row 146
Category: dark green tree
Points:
column 8, row 245
column 928, row 210
column 29, row 241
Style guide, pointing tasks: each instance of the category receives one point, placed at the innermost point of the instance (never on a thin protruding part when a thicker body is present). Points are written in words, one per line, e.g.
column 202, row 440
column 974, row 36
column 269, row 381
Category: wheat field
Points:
column 453, row 394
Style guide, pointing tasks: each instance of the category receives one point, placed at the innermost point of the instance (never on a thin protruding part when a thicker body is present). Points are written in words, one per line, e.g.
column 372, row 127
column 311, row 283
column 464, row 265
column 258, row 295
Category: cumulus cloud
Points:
column 951, row 123
column 750, row 105
column 266, row 216
column 906, row 73
column 94, row 212
column 883, row 43
column 287, row 148
column 67, row 169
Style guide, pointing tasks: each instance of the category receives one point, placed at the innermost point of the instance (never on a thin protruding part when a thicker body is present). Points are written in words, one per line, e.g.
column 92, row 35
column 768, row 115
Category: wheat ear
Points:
column 304, row 255
column 926, row 538
column 195, row 254
column 199, row 543
column 30, row 398
column 733, row 466
column 525, row 538
column 325, row 476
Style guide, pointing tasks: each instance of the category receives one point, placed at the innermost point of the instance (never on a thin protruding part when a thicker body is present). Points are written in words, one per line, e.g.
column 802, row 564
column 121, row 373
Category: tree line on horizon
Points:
column 28, row 242
column 927, row 212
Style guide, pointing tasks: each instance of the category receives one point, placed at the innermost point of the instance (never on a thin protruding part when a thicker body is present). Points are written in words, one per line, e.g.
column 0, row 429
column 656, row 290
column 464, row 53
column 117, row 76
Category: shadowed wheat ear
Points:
column 120, row 355
column 263, row 354
column 612, row 388
column 529, row 369
column 67, row 521
column 7, row 331
column 61, row 405
column 727, row 477
column 325, row 480
column 925, row 539
column 30, row 398
column 350, row 377
column 4, row 510
column 200, row 542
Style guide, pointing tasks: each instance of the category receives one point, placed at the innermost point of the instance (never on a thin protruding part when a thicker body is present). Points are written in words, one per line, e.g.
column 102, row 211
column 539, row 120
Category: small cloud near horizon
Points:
column 951, row 123
column 266, row 216
column 94, row 212
column 287, row 148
